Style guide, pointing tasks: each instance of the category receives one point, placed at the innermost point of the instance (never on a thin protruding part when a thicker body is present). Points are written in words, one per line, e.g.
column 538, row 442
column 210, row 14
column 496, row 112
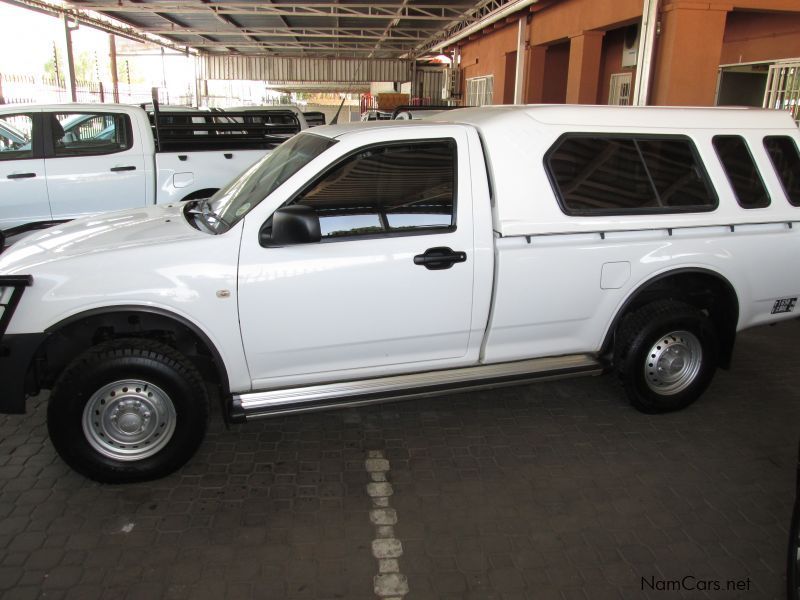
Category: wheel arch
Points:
column 701, row 287
column 78, row 332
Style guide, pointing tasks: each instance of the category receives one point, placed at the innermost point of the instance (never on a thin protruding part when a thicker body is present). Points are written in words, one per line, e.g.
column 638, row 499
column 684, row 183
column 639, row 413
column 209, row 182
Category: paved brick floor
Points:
column 557, row 490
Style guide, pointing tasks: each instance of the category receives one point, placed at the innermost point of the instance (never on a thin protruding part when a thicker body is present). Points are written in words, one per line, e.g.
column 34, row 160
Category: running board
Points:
column 245, row 407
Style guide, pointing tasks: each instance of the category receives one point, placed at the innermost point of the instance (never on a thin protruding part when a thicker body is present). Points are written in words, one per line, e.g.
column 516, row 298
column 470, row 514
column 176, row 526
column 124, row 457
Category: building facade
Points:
column 588, row 52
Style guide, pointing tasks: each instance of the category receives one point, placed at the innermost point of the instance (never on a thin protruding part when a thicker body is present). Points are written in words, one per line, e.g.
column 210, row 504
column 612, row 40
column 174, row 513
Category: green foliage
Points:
column 85, row 68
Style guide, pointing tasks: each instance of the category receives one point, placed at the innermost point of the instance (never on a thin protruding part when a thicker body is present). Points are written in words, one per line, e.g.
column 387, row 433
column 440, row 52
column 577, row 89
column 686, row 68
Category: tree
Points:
column 84, row 66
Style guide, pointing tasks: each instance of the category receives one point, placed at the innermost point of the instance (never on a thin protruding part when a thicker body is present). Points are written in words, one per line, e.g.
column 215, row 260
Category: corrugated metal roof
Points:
column 277, row 69
column 387, row 29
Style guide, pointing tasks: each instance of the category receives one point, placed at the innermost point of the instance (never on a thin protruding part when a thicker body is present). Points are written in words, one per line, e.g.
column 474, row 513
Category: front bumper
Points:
column 16, row 351
column 16, row 354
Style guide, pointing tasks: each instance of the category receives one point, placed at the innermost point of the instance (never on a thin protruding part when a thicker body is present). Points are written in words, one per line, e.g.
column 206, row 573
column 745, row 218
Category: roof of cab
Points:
column 668, row 117
column 589, row 117
column 69, row 107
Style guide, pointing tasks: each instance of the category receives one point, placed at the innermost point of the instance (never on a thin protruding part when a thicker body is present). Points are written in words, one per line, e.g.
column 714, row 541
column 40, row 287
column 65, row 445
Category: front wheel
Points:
column 128, row 410
column 666, row 355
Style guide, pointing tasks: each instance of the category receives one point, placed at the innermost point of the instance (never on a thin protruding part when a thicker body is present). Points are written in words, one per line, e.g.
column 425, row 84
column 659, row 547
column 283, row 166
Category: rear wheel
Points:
column 666, row 355
column 128, row 410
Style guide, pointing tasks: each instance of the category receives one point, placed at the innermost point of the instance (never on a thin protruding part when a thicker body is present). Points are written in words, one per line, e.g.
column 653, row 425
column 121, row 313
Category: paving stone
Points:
column 556, row 490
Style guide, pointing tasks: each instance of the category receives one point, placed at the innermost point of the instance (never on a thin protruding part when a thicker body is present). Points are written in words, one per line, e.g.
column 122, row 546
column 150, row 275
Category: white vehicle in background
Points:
column 63, row 161
column 406, row 113
column 365, row 262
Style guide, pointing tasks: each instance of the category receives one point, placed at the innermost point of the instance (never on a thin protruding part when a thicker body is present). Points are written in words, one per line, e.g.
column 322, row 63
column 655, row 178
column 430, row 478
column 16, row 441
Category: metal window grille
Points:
column 783, row 88
column 480, row 90
column 619, row 93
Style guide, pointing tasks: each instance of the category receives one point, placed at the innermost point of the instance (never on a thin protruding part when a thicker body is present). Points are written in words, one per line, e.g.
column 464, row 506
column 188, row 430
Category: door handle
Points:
column 20, row 175
column 128, row 168
column 439, row 258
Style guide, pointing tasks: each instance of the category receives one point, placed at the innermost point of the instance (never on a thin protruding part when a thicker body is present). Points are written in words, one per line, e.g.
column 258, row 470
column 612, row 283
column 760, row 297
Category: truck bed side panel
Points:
column 559, row 294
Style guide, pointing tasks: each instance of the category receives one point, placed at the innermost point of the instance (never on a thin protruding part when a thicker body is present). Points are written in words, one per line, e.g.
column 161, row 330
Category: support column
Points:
column 644, row 57
column 688, row 55
column 70, row 59
column 585, row 51
column 519, row 75
column 112, row 53
column 537, row 56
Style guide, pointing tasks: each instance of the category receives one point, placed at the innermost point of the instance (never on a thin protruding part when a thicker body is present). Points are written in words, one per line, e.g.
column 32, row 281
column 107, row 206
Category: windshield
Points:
column 239, row 197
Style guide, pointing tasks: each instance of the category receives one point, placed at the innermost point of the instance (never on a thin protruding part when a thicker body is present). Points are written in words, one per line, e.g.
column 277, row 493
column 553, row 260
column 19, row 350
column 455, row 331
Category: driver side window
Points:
column 392, row 188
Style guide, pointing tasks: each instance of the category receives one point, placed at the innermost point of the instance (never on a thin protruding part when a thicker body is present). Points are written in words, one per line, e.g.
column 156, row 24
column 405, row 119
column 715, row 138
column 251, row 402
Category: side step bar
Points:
column 255, row 405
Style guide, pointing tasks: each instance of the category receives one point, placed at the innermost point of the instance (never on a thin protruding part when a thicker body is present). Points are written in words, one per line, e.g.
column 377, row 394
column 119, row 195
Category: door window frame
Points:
column 296, row 196
column 47, row 133
column 37, row 136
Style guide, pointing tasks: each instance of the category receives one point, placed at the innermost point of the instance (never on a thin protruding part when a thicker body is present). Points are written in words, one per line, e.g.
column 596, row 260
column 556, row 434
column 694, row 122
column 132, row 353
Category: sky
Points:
column 28, row 37
column 27, row 40
column 26, row 45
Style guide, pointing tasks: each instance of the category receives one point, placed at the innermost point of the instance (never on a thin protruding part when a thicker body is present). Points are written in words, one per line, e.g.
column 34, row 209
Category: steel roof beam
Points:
column 411, row 35
column 282, row 20
column 424, row 12
column 174, row 21
column 228, row 21
column 348, row 47
column 393, row 23
column 483, row 14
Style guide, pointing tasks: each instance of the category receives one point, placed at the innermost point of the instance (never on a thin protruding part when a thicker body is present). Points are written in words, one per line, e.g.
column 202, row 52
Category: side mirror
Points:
column 291, row 225
column 2, row 241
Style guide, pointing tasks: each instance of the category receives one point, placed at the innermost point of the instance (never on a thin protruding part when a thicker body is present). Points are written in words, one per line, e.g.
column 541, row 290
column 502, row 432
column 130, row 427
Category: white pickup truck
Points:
column 374, row 261
column 59, row 162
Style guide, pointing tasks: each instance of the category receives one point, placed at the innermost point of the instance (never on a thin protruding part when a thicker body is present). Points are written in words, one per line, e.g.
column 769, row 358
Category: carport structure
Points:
column 298, row 44
column 398, row 29
column 289, row 42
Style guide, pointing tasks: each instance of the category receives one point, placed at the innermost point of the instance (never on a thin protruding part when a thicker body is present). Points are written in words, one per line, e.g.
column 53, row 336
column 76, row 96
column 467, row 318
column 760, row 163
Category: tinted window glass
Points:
column 387, row 189
column 678, row 178
column 15, row 137
column 601, row 173
column 741, row 171
column 87, row 134
column 618, row 175
column 786, row 160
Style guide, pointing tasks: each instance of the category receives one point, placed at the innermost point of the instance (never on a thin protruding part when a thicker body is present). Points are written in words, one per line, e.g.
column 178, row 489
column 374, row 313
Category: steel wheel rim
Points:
column 673, row 362
column 129, row 420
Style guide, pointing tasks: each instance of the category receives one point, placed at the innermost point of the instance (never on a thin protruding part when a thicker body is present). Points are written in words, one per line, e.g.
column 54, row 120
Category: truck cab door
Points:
column 93, row 164
column 23, row 186
column 389, row 286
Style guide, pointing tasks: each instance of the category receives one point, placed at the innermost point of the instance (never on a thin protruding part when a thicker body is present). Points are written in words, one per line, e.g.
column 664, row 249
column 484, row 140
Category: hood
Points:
column 110, row 231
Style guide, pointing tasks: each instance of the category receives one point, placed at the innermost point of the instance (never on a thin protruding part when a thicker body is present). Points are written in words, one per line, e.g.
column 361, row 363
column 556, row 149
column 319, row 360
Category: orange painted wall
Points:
column 555, row 74
column 570, row 17
column 697, row 36
column 687, row 55
column 611, row 63
column 751, row 37
column 490, row 53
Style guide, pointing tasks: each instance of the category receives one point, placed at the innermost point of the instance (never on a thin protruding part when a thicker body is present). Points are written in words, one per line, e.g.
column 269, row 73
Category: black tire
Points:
column 153, row 409
column 666, row 354
column 793, row 558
